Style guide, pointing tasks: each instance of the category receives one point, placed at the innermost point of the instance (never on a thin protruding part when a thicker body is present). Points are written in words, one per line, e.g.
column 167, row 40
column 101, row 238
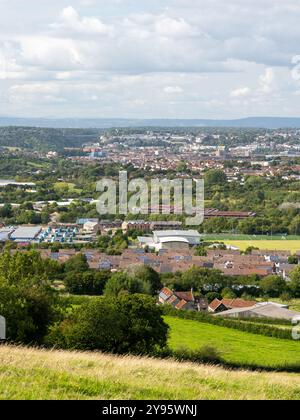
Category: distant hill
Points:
column 251, row 122
column 45, row 139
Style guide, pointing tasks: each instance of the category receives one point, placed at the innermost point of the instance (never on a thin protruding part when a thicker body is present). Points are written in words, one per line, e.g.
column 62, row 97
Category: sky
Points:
column 149, row 58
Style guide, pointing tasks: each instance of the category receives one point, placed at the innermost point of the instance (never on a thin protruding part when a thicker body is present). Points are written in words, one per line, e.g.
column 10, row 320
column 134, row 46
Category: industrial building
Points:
column 171, row 239
column 26, row 233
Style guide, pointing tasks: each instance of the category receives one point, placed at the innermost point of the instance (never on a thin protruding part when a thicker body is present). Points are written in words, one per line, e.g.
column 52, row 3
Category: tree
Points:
column 273, row 285
column 6, row 211
column 120, row 283
column 293, row 259
column 215, row 177
column 149, row 277
column 294, row 284
column 227, row 293
column 87, row 283
column 201, row 279
column 27, row 300
column 127, row 324
column 78, row 264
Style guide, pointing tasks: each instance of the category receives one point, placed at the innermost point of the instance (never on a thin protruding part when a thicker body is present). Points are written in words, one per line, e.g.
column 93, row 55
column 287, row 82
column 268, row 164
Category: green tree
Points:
column 122, row 283
column 215, row 177
column 294, row 284
column 149, row 277
column 127, row 324
column 78, row 263
column 273, row 285
column 87, row 283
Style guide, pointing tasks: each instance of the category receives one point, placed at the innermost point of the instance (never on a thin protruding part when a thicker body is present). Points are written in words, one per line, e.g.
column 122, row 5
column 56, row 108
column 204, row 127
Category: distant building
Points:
column 161, row 225
column 171, row 239
column 136, row 225
column 25, row 233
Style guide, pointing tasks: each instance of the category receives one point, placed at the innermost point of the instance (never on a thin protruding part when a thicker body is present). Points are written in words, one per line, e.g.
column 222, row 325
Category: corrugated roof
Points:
column 26, row 232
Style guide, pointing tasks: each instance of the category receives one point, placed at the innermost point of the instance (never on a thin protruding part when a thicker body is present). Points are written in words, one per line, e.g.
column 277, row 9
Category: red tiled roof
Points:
column 214, row 304
column 187, row 296
column 166, row 291
column 238, row 303
column 181, row 304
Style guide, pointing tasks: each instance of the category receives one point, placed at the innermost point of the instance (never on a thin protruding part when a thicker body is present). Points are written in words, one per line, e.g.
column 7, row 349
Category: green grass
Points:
column 279, row 245
column 242, row 237
column 30, row 374
column 235, row 346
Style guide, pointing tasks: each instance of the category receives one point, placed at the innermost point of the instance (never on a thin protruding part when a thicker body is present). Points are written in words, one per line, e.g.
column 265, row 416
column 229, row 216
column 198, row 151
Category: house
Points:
column 217, row 305
column 182, row 300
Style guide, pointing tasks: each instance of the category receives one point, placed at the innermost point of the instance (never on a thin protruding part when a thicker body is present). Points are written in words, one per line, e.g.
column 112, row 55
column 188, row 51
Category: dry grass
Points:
column 27, row 373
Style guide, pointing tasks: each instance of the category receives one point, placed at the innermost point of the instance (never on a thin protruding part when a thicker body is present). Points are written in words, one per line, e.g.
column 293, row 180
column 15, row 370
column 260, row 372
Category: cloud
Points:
column 165, row 57
column 173, row 89
column 237, row 93
column 266, row 81
column 71, row 22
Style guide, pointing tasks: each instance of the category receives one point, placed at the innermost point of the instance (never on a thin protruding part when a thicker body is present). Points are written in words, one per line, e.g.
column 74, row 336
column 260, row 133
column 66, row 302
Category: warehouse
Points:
column 26, row 234
column 171, row 239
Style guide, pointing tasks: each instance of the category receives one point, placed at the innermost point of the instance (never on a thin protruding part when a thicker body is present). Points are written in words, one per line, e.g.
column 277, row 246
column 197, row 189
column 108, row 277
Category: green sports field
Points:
column 279, row 243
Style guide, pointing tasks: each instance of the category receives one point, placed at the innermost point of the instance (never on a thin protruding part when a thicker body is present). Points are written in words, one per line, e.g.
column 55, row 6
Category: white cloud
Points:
column 70, row 21
column 237, row 93
column 266, row 81
column 165, row 57
column 173, row 89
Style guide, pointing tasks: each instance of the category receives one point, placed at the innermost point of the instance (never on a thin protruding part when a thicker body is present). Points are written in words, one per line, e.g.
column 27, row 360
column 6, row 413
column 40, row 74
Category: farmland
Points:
column 235, row 346
column 39, row 374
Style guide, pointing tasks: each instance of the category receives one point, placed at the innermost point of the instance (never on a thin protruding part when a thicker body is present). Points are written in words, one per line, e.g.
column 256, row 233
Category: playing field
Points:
column 278, row 245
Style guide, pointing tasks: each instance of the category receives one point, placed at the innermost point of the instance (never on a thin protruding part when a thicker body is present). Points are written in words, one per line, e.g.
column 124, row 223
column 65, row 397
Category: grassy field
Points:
column 243, row 237
column 39, row 374
column 234, row 346
column 279, row 245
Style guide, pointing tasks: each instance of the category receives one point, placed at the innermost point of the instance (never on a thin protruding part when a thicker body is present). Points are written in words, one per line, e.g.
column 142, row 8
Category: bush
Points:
column 127, row 324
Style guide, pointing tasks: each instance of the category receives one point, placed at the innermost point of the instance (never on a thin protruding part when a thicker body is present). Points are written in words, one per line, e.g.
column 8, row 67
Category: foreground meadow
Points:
column 39, row 374
column 234, row 346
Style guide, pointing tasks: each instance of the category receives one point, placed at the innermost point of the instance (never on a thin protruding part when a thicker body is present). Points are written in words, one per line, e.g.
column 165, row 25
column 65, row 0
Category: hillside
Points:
column 39, row 374
column 44, row 139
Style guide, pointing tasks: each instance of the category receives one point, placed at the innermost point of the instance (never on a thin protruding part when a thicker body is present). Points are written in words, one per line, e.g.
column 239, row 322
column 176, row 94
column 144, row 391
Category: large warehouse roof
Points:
column 173, row 239
column 26, row 233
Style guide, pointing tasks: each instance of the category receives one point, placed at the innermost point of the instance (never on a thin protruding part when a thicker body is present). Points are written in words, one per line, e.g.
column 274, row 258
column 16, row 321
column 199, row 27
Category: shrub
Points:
column 127, row 324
